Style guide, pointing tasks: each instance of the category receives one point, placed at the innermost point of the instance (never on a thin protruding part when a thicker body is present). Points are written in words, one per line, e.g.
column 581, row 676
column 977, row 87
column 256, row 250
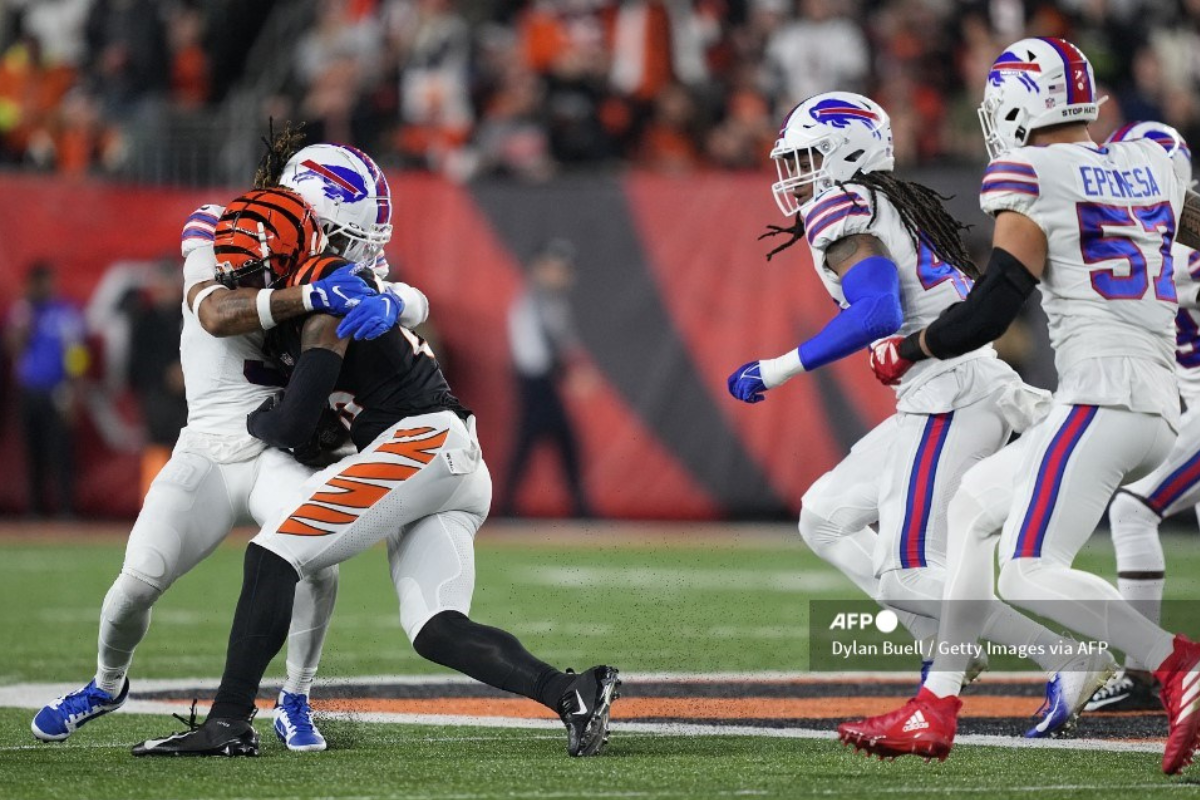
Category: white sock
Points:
column 1146, row 598
column 299, row 679
column 124, row 620
column 315, row 596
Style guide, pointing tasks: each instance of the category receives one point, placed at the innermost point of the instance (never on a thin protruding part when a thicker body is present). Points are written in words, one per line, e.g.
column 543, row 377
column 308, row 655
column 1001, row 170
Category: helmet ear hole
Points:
column 855, row 156
column 1011, row 116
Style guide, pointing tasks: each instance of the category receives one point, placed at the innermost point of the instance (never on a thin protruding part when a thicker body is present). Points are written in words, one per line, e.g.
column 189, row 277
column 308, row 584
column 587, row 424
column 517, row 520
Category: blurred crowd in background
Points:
column 530, row 88
column 179, row 91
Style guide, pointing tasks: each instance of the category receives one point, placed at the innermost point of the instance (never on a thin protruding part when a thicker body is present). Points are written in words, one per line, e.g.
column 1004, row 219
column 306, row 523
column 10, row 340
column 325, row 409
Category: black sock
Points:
column 260, row 628
column 490, row 655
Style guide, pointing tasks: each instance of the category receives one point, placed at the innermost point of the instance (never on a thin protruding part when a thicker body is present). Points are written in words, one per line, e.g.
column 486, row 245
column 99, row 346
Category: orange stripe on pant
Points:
column 354, row 494
column 419, row 450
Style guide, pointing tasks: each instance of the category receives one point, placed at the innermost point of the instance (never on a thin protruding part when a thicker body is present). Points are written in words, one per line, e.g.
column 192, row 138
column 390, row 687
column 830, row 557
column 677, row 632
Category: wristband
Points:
column 263, row 303
column 910, row 348
column 778, row 371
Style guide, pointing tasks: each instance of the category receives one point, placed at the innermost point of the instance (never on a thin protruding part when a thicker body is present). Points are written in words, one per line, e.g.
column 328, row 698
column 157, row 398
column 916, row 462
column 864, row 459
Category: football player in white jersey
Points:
column 891, row 256
column 1092, row 227
column 1137, row 509
column 217, row 467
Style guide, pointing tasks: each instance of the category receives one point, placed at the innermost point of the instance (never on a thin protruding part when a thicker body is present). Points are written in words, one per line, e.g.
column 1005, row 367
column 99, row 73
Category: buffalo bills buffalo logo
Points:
column 340, row 183
column 842, row 113
column 1011, row 64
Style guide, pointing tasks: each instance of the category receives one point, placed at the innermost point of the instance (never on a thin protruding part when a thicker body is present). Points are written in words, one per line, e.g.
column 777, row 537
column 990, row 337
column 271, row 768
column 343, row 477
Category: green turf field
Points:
column 575, row 597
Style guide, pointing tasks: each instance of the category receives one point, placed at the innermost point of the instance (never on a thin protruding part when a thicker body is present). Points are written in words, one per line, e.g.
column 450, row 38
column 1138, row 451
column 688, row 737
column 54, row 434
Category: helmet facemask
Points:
column 799, row 167
column 1004, row 136
column 353, row 243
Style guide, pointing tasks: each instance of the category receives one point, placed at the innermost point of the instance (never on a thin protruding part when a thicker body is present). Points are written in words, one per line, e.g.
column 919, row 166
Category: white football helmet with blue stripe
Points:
column 1170, row 139
column 350, row 195
column 841, row 133
column 1036, row 83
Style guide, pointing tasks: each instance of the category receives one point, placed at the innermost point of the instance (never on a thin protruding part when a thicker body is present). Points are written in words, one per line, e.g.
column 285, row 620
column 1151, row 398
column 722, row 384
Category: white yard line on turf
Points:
column 32, row 696
column 9, row 693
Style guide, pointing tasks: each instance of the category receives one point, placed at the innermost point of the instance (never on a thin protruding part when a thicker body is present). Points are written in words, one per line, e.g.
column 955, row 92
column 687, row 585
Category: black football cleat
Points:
column 584, row 710
column 216, row 737
column 1124, row 692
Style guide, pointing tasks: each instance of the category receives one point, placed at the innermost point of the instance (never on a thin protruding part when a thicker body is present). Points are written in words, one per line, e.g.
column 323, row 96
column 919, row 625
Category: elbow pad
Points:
column 989, row 309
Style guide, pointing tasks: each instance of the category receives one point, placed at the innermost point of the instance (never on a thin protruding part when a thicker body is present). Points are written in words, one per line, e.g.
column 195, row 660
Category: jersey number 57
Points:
column 1102, row 239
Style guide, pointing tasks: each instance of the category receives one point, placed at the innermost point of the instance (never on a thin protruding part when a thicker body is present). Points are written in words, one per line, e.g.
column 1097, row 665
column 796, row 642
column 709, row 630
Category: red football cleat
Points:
column 1180, row 679
column 924, row 727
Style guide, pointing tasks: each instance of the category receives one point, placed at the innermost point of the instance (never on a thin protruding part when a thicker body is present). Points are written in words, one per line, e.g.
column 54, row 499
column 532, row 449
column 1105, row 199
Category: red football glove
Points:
column 886, row 362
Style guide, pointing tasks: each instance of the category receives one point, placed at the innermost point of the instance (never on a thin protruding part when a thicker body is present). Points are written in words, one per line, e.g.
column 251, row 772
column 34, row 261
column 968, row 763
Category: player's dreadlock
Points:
column 280, row 148
column 920, row 210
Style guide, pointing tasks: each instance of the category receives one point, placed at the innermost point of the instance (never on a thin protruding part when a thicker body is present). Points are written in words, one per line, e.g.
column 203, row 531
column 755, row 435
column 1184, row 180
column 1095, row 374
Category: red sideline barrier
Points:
column 447, row 247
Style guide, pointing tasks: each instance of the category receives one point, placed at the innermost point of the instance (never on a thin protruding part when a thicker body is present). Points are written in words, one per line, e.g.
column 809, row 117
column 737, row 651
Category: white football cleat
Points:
column 1069, row 691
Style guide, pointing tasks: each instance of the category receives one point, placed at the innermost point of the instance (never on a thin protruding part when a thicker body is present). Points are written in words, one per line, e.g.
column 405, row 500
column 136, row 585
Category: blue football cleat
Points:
column 58, row 720
column 1069, row 691
column 294, row 724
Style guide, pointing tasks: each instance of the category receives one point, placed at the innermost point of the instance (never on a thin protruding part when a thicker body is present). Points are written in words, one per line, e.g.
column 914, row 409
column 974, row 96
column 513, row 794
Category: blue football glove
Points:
column 372, row 317
column 341, row 291
column 746, row 383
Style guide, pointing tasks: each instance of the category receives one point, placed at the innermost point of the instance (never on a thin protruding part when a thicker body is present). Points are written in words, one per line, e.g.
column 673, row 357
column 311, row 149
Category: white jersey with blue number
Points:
column 224, row 378
column 1187, row 323
column 1109, row 215
column 927, row 287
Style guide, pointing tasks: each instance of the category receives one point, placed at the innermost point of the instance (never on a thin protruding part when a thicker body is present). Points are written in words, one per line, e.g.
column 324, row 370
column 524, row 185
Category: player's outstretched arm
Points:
column 871, row 286
column 292, row 421
column 239, row 311
column 1014, row 269
column 231, row 312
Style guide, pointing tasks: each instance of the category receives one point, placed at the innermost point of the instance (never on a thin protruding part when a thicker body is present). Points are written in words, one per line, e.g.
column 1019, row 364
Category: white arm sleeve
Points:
column 199, row 266
column 416, row 304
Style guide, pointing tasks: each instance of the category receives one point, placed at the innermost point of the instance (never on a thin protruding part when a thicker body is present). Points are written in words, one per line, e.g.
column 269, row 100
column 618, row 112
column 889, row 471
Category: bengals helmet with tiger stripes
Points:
column 264, row 236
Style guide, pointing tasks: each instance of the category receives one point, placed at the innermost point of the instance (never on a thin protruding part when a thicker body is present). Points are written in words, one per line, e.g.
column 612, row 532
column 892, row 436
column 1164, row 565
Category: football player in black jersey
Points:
column 417, row 481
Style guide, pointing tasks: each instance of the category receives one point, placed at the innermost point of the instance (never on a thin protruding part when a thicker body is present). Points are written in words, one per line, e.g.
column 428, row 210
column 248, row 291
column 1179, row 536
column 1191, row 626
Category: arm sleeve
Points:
column 416, row 304
column 872, row 288
column 293, row 422
column 987, row 312
column 199, row 266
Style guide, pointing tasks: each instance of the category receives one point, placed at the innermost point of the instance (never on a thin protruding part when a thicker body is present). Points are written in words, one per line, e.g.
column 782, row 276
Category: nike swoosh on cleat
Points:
column 582, row 706
column 150, row 744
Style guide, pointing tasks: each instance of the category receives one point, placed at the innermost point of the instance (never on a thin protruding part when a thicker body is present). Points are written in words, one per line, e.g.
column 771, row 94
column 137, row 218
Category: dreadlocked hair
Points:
column 924, row 216
column 796, row 229
column 280, row 148
column 920, row 209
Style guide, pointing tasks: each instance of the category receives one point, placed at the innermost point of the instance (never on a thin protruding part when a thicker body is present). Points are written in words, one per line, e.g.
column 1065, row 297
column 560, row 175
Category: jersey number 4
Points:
column 1098, row 246
column 933, row 271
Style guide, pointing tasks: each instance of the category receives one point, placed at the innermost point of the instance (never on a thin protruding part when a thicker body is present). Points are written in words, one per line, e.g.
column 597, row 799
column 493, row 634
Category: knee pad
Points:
column 433, row 568
column 1018, row 582
column 816, row 531
column 129, row 594
column 1135, row 535
column 323, row 581
column 917, row 591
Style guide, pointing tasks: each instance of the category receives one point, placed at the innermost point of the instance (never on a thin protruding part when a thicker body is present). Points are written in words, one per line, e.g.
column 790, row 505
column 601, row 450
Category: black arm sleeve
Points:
column 989, row 309
column 293, row 421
